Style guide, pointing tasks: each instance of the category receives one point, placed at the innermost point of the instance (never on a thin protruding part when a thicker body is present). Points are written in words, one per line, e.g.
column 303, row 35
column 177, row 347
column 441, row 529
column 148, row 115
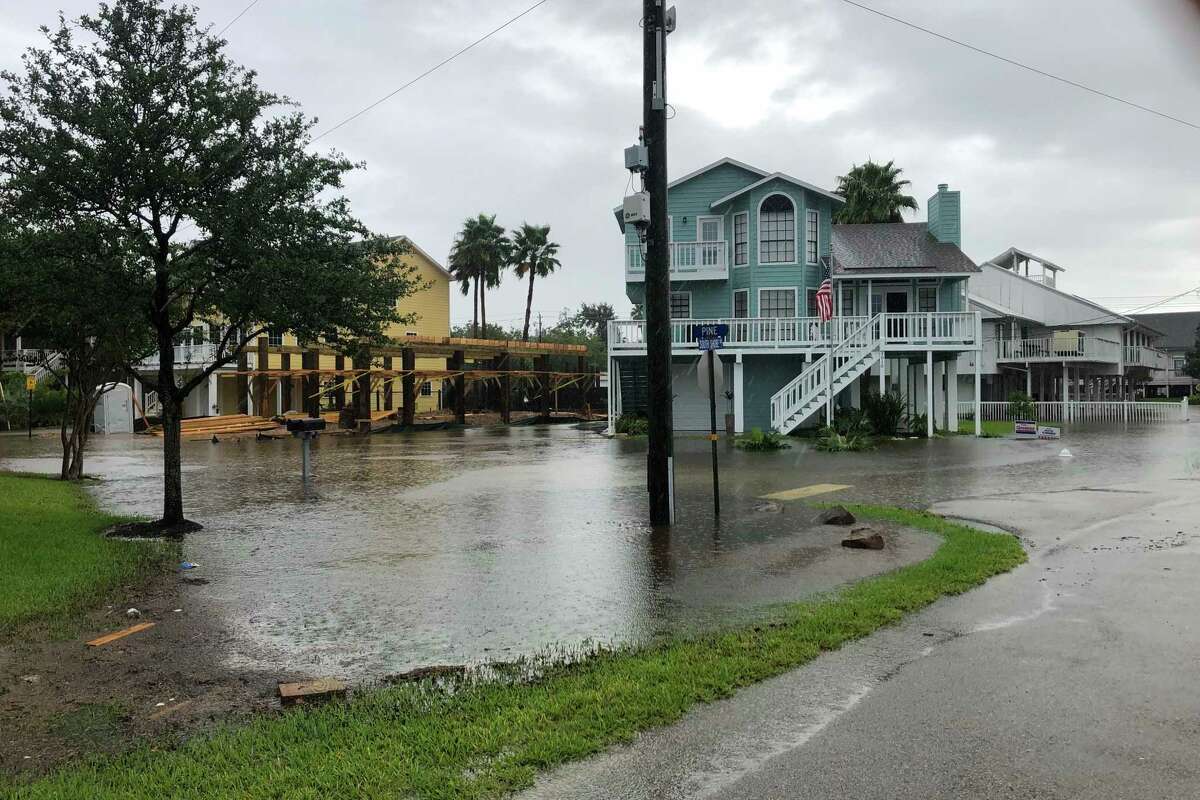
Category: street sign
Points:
column 710, row 337
column 30, row 383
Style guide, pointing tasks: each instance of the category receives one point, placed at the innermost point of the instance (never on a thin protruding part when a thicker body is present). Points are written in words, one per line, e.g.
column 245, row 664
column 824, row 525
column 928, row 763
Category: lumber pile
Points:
column 224, row 425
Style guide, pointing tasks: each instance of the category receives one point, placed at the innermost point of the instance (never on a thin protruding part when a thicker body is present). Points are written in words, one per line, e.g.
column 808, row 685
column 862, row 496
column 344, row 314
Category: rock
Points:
column 133, row 613
column 836, row 516
column 872, row 542
column 30, row 678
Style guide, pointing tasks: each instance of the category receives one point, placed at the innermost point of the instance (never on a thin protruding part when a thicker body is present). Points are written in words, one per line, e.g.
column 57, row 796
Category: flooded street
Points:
column 452, row 546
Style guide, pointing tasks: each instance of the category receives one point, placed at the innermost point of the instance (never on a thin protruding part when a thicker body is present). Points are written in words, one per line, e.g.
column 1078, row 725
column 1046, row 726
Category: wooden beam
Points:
column 460, row 387
column 408, row 361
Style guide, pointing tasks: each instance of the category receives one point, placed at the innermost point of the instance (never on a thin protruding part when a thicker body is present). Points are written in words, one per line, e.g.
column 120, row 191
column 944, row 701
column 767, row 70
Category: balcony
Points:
column 690, row 261
column 1059, row 348
column 937, row 330
column 186, row 356
column 1148, row 357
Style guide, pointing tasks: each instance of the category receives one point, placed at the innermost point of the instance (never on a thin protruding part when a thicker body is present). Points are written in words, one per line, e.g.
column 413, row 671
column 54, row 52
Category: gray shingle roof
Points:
column 894, row 247
column 1178, row 327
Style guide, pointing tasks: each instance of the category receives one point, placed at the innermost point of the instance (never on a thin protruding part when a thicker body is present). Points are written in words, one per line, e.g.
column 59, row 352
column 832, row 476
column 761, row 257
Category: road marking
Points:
column 112, row 637
column 806, row 491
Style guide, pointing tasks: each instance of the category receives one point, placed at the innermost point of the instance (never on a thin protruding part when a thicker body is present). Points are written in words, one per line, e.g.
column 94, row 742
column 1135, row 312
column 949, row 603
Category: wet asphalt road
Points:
column 1075, row 676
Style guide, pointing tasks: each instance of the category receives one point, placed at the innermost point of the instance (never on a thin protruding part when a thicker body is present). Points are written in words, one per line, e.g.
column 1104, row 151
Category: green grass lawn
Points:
column 486, row 739
column 991, row 427
column 53, row 561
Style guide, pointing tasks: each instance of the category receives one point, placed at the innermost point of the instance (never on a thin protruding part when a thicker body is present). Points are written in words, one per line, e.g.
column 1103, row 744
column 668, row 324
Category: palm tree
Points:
column 479, row 253
column 873, row 193
column 534, row 254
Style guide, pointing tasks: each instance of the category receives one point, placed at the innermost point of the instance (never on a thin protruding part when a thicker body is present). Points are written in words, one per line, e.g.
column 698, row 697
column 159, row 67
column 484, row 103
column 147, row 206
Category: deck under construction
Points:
column 493, row 363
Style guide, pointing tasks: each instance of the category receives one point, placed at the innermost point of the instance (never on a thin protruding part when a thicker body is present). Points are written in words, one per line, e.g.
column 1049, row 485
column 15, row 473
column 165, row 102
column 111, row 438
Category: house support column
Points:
column 1066, row 415
column 929, row 409
column 978, row 404
column 882, row 374
column 614, row 389
column 214, row 398
column 408, row 363
column 739, row 398
column 1028, row 380
column 458, row 363
column 952, row 395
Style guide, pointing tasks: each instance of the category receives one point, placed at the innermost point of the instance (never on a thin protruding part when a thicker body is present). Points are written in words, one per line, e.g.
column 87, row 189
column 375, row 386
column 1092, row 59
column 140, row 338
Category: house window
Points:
column 847, row 302
column 810, row 236
column 1179, row 362
column 927, row 298
column 741, row 304
column 777, row 230
column 777, row 303
column 427, row 389
column 681, row 305
column 275, row 338
column 811, row 305
column 741, row 239
column 876, row 304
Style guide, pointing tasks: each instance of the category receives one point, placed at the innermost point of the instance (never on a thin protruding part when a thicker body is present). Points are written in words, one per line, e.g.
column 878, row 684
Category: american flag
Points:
column 825, row 299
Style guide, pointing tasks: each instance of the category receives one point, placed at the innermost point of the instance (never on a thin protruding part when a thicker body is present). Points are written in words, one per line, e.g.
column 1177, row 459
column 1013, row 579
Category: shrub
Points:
column 918, row 425
column 49, row 402
column 852, row 422
column 1194, row 400
column 830, row 440
column 633, row 425
column 885, row 412
column 758, row 440
column 1020, row 406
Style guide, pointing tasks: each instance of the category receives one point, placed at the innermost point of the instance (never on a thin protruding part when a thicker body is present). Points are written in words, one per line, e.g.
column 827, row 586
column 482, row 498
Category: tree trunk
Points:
column 475, row 310
column 483, row 306
column 528, row 306
column 172, row 416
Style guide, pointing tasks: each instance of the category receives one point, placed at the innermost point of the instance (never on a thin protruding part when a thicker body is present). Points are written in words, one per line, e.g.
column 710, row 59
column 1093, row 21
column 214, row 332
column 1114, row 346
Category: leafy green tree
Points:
column 479, row 255
column 58, row 290
column 533, row 254
column 1191, row 362
column 134, row 123
column 596, row 316
column 874, row 193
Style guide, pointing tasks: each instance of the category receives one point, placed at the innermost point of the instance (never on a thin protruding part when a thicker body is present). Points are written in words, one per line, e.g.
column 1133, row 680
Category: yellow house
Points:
column 431, row 308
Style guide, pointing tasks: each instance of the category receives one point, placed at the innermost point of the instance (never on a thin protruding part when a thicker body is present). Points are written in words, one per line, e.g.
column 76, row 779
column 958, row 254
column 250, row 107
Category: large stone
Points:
column 872, row 542
column 836, row 516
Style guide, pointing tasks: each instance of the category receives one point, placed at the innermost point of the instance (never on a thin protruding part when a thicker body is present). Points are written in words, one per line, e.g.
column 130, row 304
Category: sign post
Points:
column 711, row 338
column 30, row 385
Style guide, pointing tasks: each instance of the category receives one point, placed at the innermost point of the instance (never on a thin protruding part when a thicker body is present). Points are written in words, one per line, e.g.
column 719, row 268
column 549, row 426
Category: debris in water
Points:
column 187, row 565
column 314, row 691
column 133, row 613
column 1065, row 453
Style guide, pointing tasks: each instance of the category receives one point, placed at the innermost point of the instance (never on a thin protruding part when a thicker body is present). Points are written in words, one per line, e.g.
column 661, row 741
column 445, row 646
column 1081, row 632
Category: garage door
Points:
column 690, row 410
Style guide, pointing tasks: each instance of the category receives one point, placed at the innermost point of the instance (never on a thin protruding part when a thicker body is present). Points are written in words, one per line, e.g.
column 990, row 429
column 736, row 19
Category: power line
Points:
column 231, row 22
column 429, row 71
column 1023, row 66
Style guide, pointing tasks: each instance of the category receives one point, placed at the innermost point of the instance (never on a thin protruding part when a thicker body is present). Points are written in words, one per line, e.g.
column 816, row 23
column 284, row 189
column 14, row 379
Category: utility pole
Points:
column 657, row 22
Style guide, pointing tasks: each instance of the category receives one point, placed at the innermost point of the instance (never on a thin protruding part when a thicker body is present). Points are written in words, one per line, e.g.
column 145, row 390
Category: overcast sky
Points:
column 530, row 124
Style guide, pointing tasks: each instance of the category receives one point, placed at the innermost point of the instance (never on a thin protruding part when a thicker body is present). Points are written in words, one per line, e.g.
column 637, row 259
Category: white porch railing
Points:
column 1060, row 348
column 1149, row 357
column 1085, row 411
column 689, row 261
column 930, row 328
column 186, row 355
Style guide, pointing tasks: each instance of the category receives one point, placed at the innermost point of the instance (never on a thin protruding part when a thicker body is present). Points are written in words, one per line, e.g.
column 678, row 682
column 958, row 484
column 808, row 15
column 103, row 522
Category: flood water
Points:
column 451, row 546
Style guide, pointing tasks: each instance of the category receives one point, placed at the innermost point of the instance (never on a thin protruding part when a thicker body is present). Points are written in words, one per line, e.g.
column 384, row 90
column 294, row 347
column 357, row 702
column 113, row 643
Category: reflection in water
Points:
column 447, row 546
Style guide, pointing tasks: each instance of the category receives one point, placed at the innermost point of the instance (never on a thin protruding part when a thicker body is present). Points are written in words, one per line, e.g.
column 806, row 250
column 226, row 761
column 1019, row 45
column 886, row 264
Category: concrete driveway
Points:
column 1075, row 676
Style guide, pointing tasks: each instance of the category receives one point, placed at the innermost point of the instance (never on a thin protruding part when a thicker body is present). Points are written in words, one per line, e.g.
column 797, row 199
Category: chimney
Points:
column 945, row 215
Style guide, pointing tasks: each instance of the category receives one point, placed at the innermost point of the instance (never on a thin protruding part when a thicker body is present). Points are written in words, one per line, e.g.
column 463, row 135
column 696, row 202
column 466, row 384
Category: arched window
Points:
column 776, row 230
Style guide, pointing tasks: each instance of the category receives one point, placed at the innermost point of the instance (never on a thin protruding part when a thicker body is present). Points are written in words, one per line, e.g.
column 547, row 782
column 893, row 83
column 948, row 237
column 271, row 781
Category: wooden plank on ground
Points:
column 121, row 634
column 316, row 690
column 805, row 491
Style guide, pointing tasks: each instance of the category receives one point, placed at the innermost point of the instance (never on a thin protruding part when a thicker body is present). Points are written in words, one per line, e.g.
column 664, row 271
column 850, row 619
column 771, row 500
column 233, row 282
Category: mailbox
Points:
column 299, row 425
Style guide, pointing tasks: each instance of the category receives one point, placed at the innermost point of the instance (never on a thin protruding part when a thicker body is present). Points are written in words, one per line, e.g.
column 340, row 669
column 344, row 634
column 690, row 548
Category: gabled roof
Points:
column 719, row 162
column 428, row 257
column 782, row 177
column 1177, row 327
column 890, row 247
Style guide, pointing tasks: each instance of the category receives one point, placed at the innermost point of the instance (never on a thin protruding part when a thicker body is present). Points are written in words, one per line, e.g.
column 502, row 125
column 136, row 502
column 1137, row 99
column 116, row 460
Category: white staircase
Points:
column 814, row 388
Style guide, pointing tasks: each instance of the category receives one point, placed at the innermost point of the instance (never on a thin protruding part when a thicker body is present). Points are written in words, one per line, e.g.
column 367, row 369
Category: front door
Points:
column 896, row 302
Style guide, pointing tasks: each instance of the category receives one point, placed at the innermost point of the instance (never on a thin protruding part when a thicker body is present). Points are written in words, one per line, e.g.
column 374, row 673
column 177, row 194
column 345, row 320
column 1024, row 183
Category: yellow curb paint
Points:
column 806, row 491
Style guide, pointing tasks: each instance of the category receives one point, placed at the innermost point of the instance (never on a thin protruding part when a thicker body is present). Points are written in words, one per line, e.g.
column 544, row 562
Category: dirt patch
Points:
column 62, row 700
column 153, row 530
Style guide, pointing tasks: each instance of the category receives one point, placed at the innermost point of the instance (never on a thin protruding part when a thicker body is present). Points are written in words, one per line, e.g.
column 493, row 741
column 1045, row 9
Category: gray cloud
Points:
column 530, row 124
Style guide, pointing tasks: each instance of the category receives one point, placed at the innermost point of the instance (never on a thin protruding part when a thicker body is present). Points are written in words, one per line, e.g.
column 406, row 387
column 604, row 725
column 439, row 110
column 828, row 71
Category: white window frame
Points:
column 795, row 256
column 847, row 292
column 936, row 299
column 795, row 300
column 733, row 239
column 733, row 303
column 689, row 298
column 720, row 226
column 816, row 236
column 426, row 389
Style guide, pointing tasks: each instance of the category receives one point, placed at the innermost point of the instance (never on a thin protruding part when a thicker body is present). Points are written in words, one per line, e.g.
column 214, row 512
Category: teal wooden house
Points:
column 749, row 248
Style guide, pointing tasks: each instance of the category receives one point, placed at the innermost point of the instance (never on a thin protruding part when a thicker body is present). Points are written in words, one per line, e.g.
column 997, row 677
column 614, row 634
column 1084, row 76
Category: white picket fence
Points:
column 1085, row 411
